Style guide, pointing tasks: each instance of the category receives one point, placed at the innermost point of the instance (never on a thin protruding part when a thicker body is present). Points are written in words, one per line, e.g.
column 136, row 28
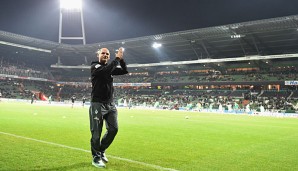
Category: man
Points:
column 73, row 98
column 84, row 100
column 129, row 103
column 102, row 107
column 32, row 98
column 50, row 99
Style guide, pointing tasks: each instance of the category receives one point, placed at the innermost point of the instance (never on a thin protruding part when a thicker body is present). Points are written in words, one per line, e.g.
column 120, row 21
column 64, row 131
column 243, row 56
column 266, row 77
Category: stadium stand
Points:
column 226, row 81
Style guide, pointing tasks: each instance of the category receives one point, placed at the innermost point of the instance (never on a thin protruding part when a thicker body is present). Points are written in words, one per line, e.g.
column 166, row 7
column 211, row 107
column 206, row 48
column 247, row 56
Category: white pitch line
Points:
column 88, row 151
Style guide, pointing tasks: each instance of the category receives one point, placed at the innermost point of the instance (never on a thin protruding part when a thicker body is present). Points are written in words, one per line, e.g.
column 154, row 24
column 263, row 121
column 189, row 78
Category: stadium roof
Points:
column 276, row 36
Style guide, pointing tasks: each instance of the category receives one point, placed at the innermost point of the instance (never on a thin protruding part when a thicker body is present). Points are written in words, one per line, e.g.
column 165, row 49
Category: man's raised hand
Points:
column 119, row 54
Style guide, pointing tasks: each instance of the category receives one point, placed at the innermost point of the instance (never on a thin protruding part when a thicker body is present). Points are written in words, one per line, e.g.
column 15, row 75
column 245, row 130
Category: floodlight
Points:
column 70, row 7
column 156, row 45
column 71, row 4
column 237, row 36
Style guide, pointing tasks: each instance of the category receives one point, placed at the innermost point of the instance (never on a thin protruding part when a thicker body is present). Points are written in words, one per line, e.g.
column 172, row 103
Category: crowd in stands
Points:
column 272, row 100
column 23, row 89
column 23, row 70
column 171, row 98
column 8, row 88
column 211, row 99
column 274, row 73
column 277, row 74
column 183, row 76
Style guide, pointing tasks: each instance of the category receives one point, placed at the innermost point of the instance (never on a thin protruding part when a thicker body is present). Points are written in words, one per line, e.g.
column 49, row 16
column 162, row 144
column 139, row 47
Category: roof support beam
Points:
column 204, row 61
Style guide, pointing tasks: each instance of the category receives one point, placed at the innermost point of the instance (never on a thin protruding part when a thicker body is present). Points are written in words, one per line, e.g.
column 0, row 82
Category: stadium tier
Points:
column 252, row 72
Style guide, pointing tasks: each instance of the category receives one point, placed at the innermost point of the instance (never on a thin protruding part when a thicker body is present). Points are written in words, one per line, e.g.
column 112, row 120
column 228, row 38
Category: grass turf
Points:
column 164, row 138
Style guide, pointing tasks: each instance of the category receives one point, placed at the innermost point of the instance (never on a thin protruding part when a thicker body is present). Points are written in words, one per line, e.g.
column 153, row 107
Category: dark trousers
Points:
column 99, row 112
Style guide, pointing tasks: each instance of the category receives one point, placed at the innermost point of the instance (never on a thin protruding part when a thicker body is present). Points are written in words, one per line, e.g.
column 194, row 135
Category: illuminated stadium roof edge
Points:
column 234, row 42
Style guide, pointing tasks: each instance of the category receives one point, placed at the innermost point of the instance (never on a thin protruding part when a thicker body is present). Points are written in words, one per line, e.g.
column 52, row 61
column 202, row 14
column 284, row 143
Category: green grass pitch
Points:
column 48, row 137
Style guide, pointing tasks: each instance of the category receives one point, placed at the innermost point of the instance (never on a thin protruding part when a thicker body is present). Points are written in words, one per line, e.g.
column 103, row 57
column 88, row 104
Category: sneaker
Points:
column 104, row 157
column 97, row 162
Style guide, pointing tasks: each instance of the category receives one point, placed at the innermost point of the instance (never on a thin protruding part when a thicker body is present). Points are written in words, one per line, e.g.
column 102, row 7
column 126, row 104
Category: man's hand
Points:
column 119, row 54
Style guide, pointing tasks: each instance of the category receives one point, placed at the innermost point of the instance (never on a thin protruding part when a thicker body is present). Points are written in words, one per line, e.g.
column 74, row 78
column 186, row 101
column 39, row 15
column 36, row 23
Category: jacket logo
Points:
column 97, row 66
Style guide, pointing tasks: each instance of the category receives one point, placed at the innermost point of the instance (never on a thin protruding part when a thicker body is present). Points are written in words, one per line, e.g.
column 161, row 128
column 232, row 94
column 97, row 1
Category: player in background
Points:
column 73, row 98
column 50, row 99
column 129, row 103
column 84, row 100
column 32, row 98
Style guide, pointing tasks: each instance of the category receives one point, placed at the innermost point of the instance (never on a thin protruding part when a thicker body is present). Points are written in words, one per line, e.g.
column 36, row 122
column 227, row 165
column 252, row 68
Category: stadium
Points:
column 216, row 98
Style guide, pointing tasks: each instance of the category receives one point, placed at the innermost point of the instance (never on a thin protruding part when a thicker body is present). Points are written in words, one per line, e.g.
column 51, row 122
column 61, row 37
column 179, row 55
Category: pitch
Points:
column 35, row 137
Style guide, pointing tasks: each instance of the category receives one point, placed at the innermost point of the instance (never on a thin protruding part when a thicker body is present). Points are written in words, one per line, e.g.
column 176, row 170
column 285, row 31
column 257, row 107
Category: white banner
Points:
column 291, row 82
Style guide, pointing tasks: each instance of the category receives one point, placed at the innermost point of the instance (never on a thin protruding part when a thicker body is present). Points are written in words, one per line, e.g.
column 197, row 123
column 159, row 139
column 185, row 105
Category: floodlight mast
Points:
column 71, row 6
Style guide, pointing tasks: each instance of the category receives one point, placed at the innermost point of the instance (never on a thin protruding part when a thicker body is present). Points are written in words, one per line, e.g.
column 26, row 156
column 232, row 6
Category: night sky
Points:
column 107, row 20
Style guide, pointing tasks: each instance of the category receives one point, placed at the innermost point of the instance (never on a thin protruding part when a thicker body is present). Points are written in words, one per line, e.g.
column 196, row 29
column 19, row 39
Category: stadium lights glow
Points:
column 71, row 4
column 156, row 45
column 236, row 36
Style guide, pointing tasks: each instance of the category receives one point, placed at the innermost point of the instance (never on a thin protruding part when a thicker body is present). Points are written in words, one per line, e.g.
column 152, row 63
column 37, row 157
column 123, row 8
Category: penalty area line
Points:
column 88, row 151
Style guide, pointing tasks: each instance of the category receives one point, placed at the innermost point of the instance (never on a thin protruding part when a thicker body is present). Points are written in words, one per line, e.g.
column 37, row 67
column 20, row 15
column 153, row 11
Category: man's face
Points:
column 103, row 55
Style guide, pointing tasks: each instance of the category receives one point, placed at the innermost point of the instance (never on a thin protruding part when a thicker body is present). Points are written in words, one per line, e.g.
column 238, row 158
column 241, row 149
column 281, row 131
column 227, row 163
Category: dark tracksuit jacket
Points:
column 102, row 106
column 102, row 80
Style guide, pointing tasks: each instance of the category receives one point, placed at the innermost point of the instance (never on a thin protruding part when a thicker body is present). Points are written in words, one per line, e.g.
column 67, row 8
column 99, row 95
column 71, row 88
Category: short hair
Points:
column 99, row 50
